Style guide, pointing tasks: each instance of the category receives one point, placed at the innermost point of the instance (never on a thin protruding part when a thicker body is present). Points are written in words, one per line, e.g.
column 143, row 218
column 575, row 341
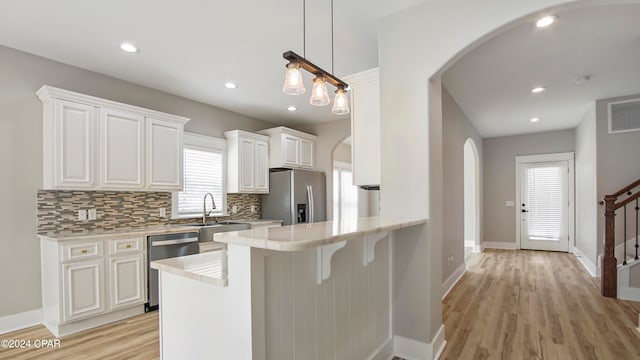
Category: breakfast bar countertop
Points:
column 306, row 236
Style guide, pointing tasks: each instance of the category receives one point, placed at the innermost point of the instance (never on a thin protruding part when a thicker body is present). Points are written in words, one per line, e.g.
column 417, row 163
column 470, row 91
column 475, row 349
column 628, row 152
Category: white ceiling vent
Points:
column 624, row 116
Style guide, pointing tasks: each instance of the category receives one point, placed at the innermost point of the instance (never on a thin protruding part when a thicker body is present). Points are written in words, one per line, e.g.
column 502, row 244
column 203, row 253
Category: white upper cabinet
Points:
column 290, row 148
column 247, row 162
column 96, row 144
column 70, row 147
column 121, row 149
column 164, row 154
column 365, row 126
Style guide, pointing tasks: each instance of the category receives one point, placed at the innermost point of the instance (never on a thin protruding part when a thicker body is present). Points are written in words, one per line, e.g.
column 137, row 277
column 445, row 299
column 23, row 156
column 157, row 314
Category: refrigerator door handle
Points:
column 311, row 207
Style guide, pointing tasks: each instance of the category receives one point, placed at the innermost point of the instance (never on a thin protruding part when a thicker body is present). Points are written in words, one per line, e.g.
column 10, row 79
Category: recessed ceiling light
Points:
column 534, row 119
column 230, row 85
column 128, row 47
column 538, row 89
column 546, row 21
column 292, row 108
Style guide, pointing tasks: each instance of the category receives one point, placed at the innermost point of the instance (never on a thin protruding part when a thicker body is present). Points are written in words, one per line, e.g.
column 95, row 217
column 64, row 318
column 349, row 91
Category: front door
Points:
column 544, row 206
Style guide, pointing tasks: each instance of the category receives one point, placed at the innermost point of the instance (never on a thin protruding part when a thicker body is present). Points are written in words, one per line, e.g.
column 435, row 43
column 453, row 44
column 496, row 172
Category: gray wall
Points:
column 21, row 154
column 499, row 176
column 586, row 190
column 456, row 130
column 342, row 153
column 618, row 160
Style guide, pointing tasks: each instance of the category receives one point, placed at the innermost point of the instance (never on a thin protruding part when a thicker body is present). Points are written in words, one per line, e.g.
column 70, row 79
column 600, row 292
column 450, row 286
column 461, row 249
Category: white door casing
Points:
column 552, row 224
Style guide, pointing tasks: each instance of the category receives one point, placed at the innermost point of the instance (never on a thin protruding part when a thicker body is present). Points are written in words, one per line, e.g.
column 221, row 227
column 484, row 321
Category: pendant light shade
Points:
column 340, row 102
column 293, row 84
column 319, row 93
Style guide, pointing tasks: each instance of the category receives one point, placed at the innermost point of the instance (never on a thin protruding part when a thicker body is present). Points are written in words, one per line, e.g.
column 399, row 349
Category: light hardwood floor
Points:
column 535, row 305
column 134, row 338
column 509, row 305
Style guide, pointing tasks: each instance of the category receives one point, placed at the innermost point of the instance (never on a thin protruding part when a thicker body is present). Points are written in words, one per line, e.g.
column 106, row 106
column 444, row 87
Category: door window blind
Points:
column 544, row 202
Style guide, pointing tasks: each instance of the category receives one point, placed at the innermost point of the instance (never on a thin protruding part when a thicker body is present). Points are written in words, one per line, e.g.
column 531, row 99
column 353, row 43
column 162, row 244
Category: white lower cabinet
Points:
column 90, row 282
column 83, row 289
column 126, row 281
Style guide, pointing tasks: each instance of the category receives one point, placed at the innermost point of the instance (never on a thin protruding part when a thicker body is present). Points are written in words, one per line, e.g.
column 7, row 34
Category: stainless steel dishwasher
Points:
column 163, row 247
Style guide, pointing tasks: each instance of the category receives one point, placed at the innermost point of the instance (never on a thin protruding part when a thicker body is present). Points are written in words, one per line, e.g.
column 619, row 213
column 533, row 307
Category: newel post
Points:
column 609, row 276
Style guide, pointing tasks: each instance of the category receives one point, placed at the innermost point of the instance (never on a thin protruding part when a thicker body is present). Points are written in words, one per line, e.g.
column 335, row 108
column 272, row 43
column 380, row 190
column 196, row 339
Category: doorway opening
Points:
column 471, row 198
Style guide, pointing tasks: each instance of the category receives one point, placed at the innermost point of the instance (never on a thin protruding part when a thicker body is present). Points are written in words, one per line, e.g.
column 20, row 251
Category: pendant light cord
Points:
column 332, row 60
column 304, row 29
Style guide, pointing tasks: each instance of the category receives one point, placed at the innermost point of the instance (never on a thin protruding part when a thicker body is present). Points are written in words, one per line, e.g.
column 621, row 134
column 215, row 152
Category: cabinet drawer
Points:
column 82, row 250
column 125, row 246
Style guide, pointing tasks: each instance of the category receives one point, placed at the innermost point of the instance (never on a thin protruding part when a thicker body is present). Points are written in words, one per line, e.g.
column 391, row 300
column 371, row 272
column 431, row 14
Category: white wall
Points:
column 415, row 46
column 586, row 186
column 456, row 130
column 21, row 154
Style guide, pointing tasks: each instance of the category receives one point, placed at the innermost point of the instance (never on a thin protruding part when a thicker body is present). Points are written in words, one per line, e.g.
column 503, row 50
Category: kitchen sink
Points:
column 207, row 230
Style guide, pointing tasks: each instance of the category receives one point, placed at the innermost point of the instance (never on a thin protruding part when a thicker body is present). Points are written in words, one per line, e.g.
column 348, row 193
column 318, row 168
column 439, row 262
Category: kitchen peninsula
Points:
column 320, row 290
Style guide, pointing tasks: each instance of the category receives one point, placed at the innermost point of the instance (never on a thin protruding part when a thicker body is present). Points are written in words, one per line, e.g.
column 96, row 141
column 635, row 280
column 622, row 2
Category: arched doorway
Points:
column 471, row 198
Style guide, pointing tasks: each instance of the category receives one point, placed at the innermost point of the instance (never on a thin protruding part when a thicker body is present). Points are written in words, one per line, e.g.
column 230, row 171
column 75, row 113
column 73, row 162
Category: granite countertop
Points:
column 306, row 236
column 143, row 231
column 209, row 267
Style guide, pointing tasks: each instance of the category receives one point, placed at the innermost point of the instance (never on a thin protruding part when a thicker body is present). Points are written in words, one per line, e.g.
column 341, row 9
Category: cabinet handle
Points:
column 128, row 246
column 84, row 251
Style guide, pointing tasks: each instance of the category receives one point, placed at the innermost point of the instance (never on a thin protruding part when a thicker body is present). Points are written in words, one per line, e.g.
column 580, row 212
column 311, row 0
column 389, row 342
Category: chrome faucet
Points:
column 204, row 207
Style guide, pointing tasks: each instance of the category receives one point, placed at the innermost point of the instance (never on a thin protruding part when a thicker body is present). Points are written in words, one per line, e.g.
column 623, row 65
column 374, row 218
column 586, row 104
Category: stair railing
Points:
column 612, row 203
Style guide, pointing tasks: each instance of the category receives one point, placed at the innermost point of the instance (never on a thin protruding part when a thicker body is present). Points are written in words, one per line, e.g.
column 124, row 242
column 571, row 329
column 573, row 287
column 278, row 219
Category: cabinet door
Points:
column 122, row 144
column 262, row 166
column 75, row 145
column 83, row 289
column 126, row 280
column 290, row 150
column 247, row 165
column 306, row 153
column 164, row 155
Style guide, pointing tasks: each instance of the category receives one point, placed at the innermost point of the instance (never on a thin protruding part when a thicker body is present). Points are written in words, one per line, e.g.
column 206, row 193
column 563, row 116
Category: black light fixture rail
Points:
column 314, row 69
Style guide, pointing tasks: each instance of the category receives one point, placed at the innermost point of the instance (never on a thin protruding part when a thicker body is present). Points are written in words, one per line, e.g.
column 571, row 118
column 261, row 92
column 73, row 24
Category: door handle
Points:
column 523, row 210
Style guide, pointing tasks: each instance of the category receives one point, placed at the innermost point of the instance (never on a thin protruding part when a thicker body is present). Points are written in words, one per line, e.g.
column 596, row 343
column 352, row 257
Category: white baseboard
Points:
column 417, row 350
column 585, row 261
column 628, row 293
column 499, row 245
column 20, row 321
column 453, row 279
column 472, row 244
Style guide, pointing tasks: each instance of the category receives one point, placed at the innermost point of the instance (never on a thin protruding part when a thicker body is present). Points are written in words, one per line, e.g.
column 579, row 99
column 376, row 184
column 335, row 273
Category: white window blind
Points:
column 345, row 195
column 544, row 202
column 204, row 172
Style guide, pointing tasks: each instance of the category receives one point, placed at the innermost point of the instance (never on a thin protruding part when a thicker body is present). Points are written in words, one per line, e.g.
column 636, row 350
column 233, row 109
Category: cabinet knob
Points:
column 84, row 251
column 128, row 246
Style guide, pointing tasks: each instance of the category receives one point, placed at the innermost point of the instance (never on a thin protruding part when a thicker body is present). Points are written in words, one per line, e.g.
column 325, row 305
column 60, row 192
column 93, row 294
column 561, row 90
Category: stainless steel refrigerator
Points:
column 295, row 196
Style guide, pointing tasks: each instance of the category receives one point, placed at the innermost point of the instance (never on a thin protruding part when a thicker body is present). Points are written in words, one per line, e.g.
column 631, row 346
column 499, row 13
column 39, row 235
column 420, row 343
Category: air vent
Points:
column 624, row 116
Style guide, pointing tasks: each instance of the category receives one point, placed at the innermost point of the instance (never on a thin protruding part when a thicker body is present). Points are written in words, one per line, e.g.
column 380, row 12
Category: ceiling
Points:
column 192, row 47
column 492, row 82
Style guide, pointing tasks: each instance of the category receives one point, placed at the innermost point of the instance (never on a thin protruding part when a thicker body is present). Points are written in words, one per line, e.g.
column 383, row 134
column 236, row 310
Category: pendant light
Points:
column 319, row 94
column 293, row 84
column 340, row 102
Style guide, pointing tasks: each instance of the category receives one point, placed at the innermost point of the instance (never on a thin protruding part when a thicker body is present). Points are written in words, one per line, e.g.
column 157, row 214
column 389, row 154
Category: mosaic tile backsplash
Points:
column 58, row 210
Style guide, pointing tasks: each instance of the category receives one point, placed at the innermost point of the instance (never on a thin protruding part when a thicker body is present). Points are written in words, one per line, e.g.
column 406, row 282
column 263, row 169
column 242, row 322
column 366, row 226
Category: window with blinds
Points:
column 544, row 202
column 345, row 195
column 204, row 172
